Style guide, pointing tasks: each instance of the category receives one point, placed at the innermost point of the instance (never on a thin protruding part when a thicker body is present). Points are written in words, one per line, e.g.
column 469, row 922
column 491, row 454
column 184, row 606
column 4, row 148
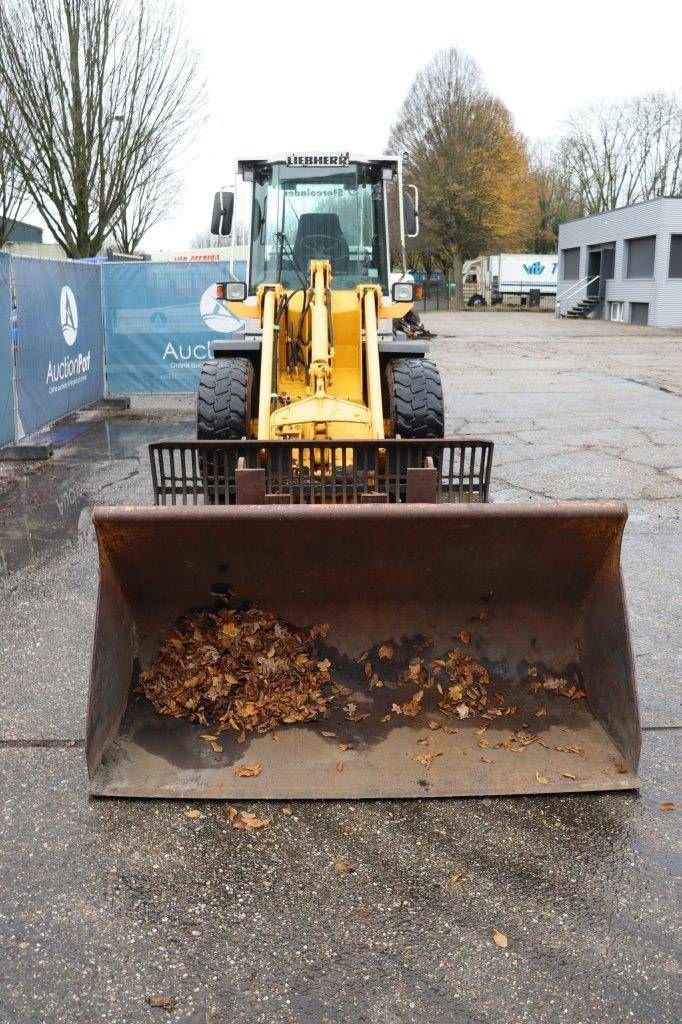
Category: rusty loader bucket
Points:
column 533, row 593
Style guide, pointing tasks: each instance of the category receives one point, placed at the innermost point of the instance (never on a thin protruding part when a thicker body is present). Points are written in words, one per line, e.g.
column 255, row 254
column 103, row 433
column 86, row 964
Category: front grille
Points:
column 319, row 472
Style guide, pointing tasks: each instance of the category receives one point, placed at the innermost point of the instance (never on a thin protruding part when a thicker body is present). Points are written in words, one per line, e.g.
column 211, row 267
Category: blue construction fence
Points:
column 72, row 333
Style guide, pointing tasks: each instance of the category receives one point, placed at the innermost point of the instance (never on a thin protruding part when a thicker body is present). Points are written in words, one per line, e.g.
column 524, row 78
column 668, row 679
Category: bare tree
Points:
column 147, row 203
column 205, row 240
column 105, row 93
column 12, row 188
column 615, row 154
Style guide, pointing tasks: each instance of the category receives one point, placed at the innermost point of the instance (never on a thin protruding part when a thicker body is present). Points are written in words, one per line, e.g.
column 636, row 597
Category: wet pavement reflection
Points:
column 50, row 503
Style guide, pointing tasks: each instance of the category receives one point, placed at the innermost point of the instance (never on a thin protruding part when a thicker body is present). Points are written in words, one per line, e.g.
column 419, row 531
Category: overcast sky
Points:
column 285, row 76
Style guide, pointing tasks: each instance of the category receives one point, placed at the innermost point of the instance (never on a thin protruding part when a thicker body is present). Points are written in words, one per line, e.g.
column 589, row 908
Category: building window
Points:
column 641, row 256
column 639, row 313
column 675, row 266
column 616, row 311
column 570, row 264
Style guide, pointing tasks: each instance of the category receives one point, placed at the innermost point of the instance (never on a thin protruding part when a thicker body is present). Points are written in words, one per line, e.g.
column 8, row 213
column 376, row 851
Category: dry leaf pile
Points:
column 242, row 670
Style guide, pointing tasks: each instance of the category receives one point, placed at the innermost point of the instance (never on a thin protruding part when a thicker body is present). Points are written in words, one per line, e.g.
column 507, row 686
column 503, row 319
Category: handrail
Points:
column 584, row 283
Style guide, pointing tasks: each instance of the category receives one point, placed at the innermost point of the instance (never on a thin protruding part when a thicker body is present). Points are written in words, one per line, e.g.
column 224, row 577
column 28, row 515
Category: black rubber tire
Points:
column 476, row 300
column 415, row 398
column 225, row 399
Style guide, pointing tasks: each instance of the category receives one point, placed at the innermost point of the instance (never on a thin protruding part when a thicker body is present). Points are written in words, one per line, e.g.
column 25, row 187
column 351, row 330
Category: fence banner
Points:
column 160, row 319
column 6, row 359
column 60, row 343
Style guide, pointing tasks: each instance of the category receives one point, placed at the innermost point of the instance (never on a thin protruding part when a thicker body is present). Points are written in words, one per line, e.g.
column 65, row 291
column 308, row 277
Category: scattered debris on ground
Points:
column 166, row 1003
column 246, row 821
column 344, row 867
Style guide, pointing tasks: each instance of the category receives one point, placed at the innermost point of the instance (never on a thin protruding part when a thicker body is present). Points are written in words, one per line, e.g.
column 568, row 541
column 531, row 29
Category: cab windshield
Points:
column 305, row 213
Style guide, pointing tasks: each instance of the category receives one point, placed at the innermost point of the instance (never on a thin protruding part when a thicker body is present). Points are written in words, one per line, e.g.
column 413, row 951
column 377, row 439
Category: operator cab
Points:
column 331, row 207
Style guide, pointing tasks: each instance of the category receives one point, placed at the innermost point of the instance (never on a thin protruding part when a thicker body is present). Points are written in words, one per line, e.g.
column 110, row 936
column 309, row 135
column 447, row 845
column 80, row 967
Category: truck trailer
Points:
column 509, row 279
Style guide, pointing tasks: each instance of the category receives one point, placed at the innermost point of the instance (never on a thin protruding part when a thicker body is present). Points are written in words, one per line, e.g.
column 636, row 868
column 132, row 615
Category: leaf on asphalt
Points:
column 457, row 877
column 286, row 809
column 344, row 867
column 386, row 651
column 248, row 771
column 500, row 939
column 539, row 777
column 209, row 739
column 192, row 812
column 246, row 821
column 668, row 806
column 166, row 1003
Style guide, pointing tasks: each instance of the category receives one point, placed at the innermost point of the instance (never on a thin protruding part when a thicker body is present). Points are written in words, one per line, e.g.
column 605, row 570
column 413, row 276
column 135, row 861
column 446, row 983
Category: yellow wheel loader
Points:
column 321, row 489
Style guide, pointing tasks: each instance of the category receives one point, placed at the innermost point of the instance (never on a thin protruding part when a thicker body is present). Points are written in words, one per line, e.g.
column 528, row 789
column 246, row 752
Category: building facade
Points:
column 624, row 265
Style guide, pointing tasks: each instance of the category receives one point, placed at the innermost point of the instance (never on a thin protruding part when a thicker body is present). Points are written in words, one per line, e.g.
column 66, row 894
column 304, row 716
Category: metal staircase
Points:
column 582, row 309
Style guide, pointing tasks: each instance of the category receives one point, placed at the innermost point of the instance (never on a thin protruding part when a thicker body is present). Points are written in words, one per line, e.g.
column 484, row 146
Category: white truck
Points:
column 510, row 278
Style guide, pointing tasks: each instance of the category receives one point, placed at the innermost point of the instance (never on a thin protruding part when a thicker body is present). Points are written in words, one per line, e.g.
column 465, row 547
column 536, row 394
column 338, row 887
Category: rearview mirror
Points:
column 411, row 210
column 221, row 221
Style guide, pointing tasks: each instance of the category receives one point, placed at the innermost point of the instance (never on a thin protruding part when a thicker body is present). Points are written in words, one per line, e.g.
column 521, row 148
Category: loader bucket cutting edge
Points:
column 546, row 578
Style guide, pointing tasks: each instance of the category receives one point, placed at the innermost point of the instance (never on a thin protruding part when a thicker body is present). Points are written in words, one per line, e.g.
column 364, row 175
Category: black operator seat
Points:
column 319, row 236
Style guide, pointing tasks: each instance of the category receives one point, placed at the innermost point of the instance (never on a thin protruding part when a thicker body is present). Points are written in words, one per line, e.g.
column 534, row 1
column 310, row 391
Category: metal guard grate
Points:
column 320, row 472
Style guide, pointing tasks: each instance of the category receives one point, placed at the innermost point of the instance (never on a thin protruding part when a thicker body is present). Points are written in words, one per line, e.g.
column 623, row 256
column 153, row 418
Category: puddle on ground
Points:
column 51, row 504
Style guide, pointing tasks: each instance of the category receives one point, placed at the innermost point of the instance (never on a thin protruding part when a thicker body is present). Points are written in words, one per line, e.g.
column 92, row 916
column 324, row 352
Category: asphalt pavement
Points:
column 110, row 906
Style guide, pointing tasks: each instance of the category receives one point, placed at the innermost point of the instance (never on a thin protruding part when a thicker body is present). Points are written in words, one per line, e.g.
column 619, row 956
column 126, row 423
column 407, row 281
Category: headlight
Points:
column 233, row 291
column 403, row 291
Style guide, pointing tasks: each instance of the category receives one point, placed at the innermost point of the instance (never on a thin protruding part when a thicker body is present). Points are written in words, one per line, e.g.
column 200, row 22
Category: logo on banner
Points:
column 71, row 370
column 68, row 311
column 216, row 316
